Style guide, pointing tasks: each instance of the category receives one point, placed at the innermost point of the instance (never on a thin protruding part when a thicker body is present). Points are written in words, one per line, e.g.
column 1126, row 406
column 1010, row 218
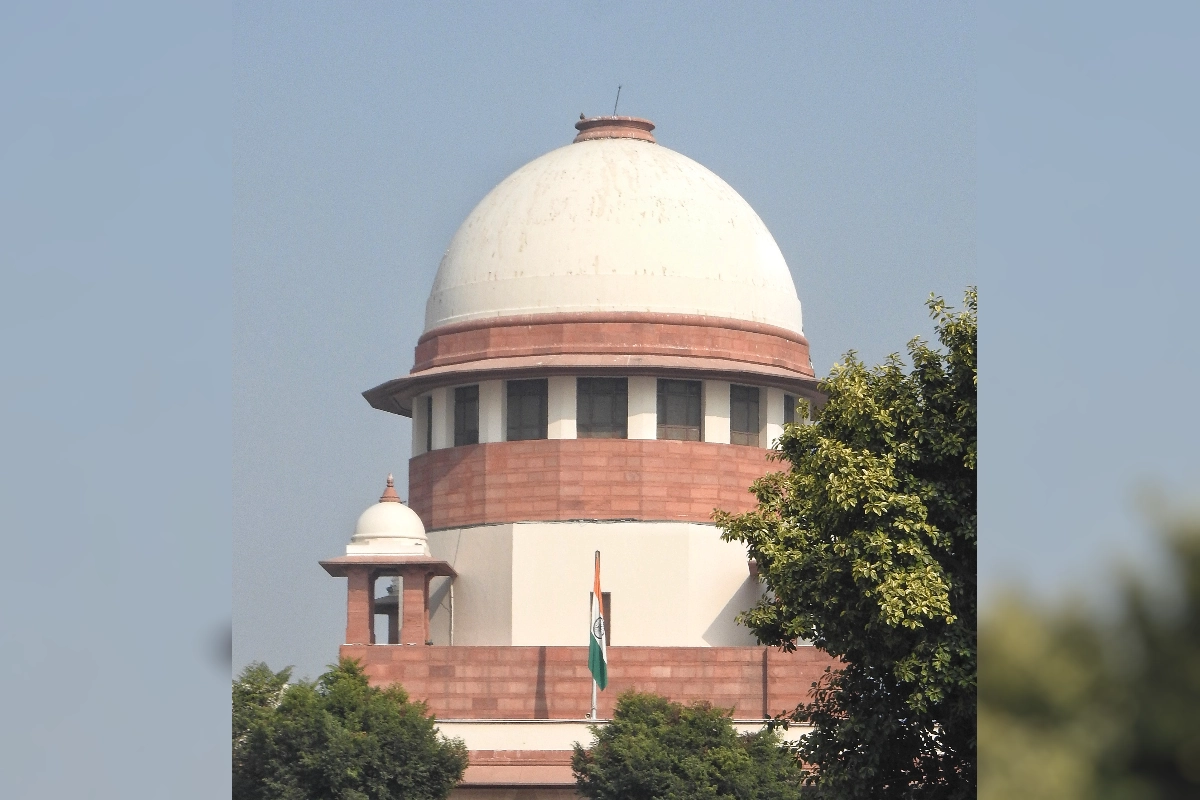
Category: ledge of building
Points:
column 337, row 567
column 526, row 777
column 519, row 768
column 396, row 395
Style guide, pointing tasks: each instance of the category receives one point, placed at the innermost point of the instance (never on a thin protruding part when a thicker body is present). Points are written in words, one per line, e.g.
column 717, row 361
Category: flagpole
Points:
column 592, row 615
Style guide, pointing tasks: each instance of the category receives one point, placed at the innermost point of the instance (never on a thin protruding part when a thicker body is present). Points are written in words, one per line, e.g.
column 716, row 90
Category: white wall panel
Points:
column 716, row 411
column 443, row 418
column 773, row 427
column 491, row 409
column 483, row 596
column 561, row 409
column 643, row 407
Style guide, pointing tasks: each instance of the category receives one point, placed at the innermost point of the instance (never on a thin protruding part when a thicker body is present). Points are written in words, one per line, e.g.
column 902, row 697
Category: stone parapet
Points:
column 554, row 683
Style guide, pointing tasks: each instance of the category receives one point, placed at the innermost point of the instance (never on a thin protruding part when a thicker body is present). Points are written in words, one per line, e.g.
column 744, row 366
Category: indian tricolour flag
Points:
column 597, row 655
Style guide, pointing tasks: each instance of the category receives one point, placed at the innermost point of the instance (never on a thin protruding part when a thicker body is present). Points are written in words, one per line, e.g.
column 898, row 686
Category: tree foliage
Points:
column 1074, row 707
column 867, row 547
column 337, row 738
column 655, row 748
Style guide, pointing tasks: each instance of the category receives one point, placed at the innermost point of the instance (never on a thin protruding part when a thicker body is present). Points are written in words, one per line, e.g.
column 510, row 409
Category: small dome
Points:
column 613, row 223
column 388, row 528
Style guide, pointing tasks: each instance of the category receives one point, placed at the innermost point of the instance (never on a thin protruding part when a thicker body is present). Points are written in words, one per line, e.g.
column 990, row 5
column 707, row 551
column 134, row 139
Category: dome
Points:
column 613, row 223
column 388, row 528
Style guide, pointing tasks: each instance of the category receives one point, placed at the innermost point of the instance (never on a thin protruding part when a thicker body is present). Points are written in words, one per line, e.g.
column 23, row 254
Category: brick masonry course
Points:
column 560, row 479
column 554, row 683
column 636, row 334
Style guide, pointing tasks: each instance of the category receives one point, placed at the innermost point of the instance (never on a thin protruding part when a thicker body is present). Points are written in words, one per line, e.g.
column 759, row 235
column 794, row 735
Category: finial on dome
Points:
column 614, row 128
column 389, row 494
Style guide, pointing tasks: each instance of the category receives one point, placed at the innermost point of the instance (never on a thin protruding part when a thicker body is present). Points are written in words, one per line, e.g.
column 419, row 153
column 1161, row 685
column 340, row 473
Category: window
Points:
column 428, row 423
column 466, row 415
column 602, row 408
column 679, row 410
column 793, row 415
column 606, row 599
column 743, row 415
column 526, row 410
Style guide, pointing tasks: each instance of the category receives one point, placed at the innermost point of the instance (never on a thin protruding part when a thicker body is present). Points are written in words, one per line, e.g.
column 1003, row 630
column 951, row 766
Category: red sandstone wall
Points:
column 559, row 479
column 626, row 334
column 554, row 682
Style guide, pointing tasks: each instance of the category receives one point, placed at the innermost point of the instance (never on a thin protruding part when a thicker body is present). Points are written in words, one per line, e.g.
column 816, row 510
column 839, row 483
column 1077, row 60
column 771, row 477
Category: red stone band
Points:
column 627, row 334
column 507, row 768
column 614, row 128
column 479, row 682
column 565, row 479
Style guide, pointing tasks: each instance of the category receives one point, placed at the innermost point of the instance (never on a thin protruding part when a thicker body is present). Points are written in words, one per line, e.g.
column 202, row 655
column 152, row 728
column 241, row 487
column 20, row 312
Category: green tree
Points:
column 867, row 547
column 1073, row 706
column 654, row 748
column 337, row 738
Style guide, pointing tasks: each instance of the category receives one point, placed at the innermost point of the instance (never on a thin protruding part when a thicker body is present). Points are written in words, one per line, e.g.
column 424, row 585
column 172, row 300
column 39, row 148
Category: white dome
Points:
column 389, row 528
column 613, row 225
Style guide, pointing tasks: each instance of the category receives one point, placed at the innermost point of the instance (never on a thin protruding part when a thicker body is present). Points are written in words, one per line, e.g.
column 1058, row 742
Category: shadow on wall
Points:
column 725, row 630
column 541, row 709
column 1072, row 705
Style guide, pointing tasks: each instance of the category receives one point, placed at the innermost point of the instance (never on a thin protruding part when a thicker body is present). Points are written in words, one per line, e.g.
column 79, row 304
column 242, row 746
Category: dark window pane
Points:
column 789, row 410
column 428, row 423
column 679, row 410
column 466, row 415
column 601, row 408
column 527, row 410
column 743, row 415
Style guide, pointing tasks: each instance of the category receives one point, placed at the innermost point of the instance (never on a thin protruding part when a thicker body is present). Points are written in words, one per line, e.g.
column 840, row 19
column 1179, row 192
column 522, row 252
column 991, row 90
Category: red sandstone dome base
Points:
column 573, row 479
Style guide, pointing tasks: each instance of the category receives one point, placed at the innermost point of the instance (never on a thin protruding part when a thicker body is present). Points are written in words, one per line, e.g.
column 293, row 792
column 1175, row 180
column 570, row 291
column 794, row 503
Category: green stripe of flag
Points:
column 597, row 662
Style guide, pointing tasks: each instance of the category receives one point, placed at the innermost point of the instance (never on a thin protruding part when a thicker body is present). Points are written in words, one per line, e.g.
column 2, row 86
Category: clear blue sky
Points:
column 1046, row 152
column 115, row 339
column 1089, row 268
